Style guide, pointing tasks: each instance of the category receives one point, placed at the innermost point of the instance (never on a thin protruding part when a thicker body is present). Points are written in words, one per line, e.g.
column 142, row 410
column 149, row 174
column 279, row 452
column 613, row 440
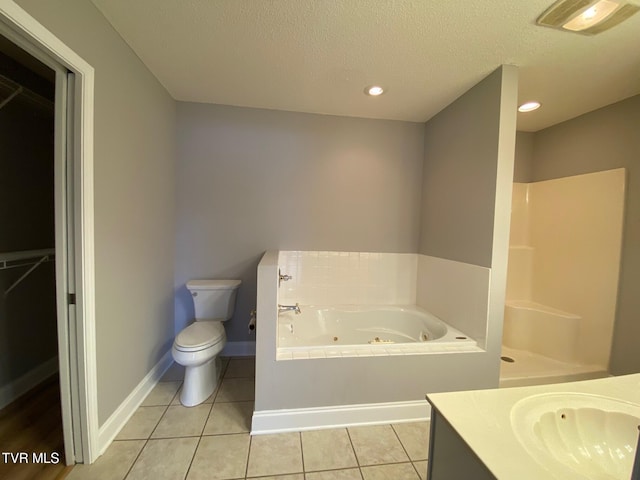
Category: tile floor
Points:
column 164, row 440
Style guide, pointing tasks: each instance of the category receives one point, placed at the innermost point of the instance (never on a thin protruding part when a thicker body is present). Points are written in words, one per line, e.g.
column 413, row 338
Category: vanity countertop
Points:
column 483, row 419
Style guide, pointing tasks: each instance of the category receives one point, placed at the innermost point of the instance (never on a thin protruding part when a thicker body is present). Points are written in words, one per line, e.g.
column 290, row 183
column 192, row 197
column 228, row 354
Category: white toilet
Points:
column 197, row 346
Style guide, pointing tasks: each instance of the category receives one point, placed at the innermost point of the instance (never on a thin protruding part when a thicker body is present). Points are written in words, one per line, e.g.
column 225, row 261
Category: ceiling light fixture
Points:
column 374, row 90
column 529, row 107
column 587, row 16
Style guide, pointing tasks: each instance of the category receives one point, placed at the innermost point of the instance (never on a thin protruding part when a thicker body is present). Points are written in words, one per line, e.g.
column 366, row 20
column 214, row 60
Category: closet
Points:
column 29, row 386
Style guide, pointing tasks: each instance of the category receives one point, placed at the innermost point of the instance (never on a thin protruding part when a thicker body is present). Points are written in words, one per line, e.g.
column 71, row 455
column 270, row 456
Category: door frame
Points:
column 77, row 339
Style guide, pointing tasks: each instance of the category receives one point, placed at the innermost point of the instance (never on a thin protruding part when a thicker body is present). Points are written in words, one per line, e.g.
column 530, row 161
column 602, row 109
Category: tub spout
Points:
column 286, row 308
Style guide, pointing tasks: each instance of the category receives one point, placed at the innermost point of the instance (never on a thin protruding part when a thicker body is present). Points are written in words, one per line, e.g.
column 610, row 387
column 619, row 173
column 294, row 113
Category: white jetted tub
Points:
column 353, row 331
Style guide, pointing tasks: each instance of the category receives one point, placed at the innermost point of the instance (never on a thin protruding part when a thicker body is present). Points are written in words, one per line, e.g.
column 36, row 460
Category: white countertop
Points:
column 482, row 419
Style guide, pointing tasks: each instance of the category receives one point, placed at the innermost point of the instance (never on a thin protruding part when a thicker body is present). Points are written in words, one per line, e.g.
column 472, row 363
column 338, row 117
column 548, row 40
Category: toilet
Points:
column 198, row 345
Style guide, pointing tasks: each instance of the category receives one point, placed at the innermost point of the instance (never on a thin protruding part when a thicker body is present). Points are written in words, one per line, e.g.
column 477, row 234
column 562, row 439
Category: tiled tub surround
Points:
column 348, row 278
column 349, row 299
column 165, row 440
column 453, row 292
column 314, row 389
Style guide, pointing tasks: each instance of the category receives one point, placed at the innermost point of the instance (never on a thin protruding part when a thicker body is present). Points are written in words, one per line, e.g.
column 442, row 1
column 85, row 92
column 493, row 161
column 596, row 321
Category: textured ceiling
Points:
column 318, row 55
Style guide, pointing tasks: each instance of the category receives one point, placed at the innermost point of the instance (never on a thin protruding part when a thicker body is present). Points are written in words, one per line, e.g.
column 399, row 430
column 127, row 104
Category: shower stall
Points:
column 562, row 280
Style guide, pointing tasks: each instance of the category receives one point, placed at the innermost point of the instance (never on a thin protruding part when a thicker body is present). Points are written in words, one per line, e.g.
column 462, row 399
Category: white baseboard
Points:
column 21, row 385
column 299, row 419
column 118, row 419
column 239, row 349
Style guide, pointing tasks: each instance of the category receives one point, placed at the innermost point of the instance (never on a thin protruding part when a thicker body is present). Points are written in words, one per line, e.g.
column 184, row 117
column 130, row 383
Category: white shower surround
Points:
column 564, row 267
column 305, row 393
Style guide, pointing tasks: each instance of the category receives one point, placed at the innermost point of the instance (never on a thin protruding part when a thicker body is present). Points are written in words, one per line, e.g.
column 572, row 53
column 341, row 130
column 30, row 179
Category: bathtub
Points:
column 355, row 331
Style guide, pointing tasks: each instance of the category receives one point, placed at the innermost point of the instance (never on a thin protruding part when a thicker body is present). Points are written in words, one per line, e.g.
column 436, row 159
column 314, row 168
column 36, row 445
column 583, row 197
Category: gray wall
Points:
column 134, row 199
column 459, row 176
column 601, row 140
column 250, row 180
column 523, row 157
column 455, row 149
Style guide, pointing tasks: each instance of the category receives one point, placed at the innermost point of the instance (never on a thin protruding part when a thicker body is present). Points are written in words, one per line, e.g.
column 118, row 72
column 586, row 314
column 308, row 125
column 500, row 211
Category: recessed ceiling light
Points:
column 374, row 90
column 529, row 107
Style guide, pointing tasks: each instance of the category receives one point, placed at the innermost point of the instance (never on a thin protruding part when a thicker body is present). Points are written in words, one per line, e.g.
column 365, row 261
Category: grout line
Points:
column 355, row 454
column 206, row 420
column 166, row 408
column 135, row 460
column 302, row 454
column 195, row 450
column 176, row 438
column 246, row 468
column 400, row 441
column 177, row 393
column 146, row 440
column 231, row 434
column 416, row 468
column 324, row 471
column 387, row 463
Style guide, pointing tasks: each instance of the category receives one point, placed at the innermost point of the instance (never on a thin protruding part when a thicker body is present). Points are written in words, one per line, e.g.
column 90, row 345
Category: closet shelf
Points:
column 25, row 255
column 24, row 258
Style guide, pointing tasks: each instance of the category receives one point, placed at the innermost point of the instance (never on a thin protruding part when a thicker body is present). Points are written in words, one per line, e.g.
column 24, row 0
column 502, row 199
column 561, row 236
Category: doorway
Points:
column 73, row 252
column 28, row 313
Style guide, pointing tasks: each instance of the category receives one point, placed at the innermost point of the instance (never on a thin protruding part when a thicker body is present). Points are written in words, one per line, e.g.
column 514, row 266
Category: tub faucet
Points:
column 286, row 308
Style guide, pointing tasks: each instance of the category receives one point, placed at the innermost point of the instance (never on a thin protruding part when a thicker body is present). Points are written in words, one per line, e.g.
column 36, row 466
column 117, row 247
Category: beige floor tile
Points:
column 236, row 390
column 113, row 465
column 166, row 459
column 175, row 373
column 181, row 421
column 376, row 445
column 415, row 439
column 295, row 476
column 241, row 367
column 224, row 362
column 141, row 424
column 350, row 474
column 327, row 450
column 398, row 471
column 229, row 417
column 220, row 457
column 275, row 455
column 162, row 394
column 421, row 468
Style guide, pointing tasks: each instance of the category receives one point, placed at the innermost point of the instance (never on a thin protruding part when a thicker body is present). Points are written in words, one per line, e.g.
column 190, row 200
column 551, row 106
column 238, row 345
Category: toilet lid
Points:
column 200, row 335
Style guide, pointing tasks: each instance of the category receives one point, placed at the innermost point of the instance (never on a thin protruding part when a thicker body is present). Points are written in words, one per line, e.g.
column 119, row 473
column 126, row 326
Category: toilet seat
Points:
column 200, row 336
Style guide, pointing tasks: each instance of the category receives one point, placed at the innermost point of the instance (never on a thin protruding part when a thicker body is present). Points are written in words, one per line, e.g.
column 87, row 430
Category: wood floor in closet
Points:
column 33, row 423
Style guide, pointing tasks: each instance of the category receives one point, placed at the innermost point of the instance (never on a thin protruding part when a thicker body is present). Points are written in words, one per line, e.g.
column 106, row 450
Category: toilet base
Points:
column 200, row 382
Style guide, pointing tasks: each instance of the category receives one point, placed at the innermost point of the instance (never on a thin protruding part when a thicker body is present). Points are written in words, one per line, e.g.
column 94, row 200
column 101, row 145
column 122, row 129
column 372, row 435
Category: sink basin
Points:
column 578, row 436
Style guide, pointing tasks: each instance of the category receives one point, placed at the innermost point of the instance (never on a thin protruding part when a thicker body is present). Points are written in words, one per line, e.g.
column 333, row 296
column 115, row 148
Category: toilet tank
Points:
column 213, row 299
